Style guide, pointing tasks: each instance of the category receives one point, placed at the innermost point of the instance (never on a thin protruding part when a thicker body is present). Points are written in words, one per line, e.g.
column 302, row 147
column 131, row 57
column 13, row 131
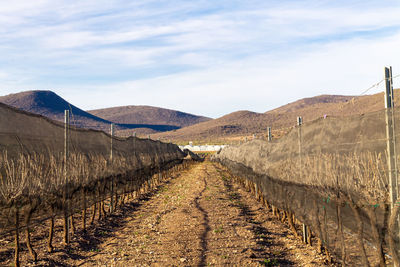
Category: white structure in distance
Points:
column 204, row 148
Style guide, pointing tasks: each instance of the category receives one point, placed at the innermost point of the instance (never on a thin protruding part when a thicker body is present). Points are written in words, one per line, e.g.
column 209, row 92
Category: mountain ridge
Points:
column 51, row 105
column 142, row 114
column 239, row 124
column 232, row 126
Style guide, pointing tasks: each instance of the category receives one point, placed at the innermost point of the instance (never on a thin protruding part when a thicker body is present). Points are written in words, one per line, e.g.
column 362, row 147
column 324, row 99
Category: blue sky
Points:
column 204, row 57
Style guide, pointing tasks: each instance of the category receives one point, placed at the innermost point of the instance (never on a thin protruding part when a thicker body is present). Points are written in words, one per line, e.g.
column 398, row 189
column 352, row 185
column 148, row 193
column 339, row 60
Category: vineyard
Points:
column 332, row 181
column 329, row 180
column 50, row 170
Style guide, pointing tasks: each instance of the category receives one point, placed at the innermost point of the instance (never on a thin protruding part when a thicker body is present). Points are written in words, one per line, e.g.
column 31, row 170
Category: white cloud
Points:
column 253, row 56
column 257, row 84
column 3, row 75
column 74, row 39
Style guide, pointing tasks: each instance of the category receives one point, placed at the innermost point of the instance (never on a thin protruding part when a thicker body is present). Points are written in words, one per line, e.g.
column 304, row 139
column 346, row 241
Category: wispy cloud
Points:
column 170, row 53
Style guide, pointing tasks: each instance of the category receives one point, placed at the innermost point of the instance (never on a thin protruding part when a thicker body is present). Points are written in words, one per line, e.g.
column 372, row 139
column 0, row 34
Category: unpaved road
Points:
column 198, row 218
column 201, row 219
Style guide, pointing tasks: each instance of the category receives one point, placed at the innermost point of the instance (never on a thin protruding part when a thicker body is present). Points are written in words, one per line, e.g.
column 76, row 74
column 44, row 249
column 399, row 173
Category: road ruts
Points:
column 201, row 219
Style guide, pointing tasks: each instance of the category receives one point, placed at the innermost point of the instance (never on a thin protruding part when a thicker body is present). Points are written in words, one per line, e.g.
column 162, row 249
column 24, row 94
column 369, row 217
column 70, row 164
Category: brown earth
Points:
column 198, row 218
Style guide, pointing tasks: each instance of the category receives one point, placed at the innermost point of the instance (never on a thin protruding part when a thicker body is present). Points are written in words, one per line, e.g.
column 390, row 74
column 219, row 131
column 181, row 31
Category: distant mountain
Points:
column 166, row 124
column 148, row 115
column 238, row 124
column 49, row 104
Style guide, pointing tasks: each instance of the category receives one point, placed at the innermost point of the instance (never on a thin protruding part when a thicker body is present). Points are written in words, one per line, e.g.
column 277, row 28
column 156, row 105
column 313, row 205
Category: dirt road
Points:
column 201, row 219
column 196, row 219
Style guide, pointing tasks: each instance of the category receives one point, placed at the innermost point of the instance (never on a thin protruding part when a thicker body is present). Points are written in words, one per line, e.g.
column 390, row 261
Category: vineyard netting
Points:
column 332, row 176
column 38, row 182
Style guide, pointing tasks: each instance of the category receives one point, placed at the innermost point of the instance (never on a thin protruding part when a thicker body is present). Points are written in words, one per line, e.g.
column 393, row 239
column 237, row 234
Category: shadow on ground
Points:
column 263, row 236
column 85, row 241
column 206, row 225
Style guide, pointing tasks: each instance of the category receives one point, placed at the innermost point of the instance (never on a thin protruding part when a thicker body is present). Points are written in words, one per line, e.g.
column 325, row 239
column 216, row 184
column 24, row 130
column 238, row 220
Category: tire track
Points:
column 205, row 224
column 199, row 219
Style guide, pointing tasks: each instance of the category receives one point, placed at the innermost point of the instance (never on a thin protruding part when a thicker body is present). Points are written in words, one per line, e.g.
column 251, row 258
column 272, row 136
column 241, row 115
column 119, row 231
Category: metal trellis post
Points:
column 66, row 155
column 391, row 148
column 269, row 134
column 299, row 123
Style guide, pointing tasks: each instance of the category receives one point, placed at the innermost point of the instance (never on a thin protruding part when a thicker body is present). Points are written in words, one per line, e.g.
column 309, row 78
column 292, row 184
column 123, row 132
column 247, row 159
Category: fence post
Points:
column 66, row 155
column 111, row 162
column 391, row 144
column 391, row 148
column 299, row 123
column 269, row 134
column 111, row 141
column 159, row 163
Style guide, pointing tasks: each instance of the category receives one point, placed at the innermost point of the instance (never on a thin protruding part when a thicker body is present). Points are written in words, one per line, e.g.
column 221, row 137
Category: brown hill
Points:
column 49, row 104
column 236, row 125
column 148, row 115
column 305, row 103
